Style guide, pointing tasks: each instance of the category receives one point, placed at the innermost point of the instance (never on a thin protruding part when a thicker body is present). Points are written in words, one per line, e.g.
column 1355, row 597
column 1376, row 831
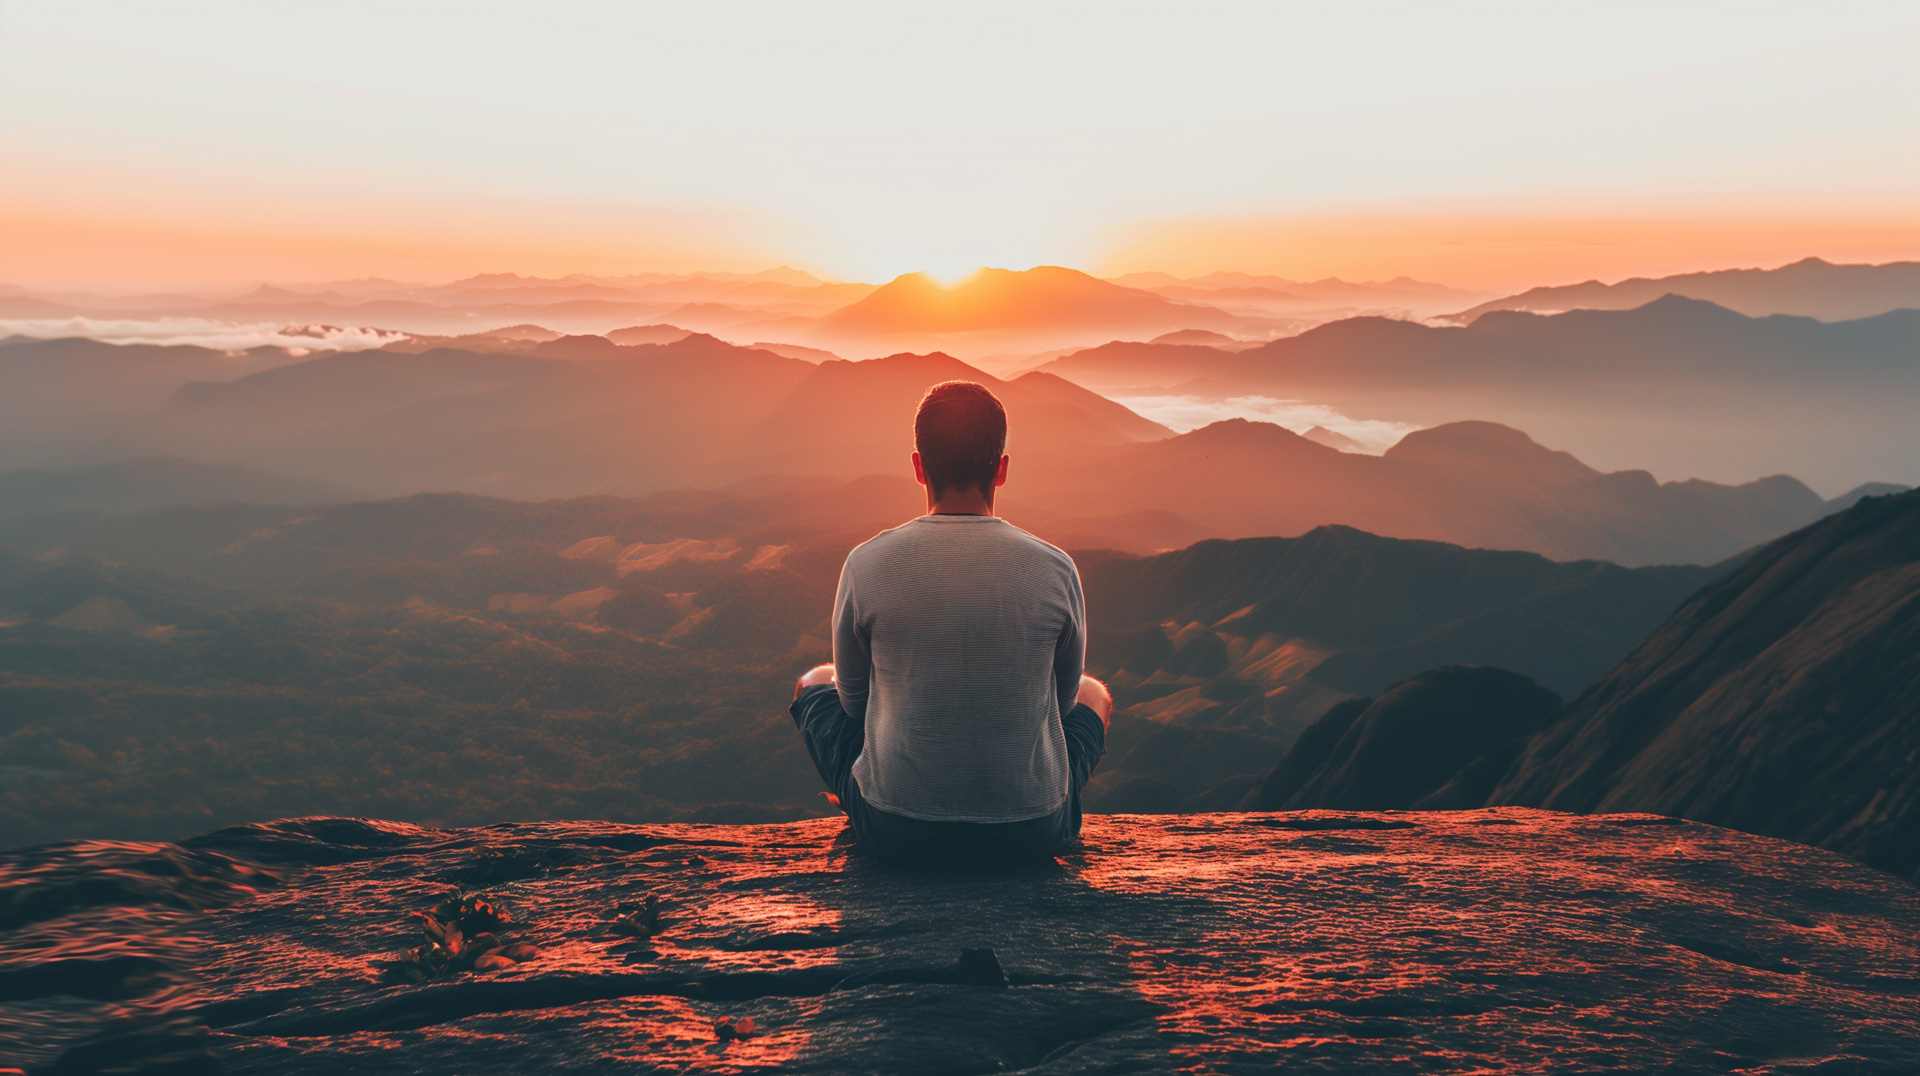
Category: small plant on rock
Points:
column 472, row 912
column 460, row 938
column 728, row 1027
column 641, row 922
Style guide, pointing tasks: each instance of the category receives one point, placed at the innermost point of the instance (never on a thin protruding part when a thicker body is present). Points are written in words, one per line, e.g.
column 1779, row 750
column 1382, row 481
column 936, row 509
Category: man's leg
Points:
column 1086, row 729
column 1093, row 695
column 834, row 739
column 1086, row 741
column 823, row 674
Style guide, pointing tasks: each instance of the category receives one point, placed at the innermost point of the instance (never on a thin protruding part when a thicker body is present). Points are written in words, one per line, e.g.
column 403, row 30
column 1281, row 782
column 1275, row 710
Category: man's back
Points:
column 960, row 640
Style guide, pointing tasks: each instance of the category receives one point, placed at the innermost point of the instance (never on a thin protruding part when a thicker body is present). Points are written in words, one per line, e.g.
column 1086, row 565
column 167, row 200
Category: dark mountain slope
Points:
column 1220, row 654
column 1375, row 599
column 1388, row 753
column 1783, row 699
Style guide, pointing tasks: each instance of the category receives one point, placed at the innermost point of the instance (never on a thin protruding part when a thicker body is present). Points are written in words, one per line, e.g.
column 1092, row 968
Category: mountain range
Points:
column 1032, row 309
column 1809, row 288
column 575, row 303
column 1472, row 483
column 1671, row 339
column 1690, row 386
column 1678, row 386
column 1317, row 300
column 580, row 414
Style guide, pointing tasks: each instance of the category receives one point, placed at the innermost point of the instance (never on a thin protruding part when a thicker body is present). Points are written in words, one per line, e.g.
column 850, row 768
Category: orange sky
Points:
column 184, row 239
column 186, row 245
column 1477, row 143
column 1509, row 251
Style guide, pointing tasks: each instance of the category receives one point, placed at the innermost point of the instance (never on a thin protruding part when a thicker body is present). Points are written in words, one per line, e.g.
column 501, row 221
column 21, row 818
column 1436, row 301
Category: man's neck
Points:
column 954, row 503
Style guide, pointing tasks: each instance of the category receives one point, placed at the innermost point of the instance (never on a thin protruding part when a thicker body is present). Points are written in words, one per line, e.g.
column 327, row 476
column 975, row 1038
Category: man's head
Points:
column 960, row 433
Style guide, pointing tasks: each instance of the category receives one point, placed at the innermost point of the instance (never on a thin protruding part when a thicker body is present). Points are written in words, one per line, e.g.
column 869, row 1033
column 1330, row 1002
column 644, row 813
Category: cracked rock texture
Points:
column 1507, row 940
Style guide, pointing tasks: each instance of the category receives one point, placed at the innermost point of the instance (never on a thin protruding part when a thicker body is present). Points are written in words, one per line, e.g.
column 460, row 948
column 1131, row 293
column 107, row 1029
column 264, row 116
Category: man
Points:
column 955, row 726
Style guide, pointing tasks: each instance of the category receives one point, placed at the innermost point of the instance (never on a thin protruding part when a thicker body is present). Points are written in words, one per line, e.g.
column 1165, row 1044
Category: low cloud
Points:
column 1183, row 413
column 203, row 332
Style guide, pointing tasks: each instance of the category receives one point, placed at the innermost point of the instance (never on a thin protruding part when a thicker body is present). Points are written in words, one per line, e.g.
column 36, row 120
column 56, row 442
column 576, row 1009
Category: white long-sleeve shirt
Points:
column 959, row 640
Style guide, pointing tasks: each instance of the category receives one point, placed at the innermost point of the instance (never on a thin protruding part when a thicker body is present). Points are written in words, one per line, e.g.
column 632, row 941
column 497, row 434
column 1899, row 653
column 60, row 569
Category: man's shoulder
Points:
column 1042, row 547
column 891, row 538
column 924, row 532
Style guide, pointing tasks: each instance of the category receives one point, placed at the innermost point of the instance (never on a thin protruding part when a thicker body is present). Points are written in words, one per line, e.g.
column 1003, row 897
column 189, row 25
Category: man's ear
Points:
column 999, row 476
column 920, row 470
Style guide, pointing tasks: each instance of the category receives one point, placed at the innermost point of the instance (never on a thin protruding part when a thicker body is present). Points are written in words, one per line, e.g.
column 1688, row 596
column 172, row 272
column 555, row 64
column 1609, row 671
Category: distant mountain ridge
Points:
column 575, row 303
column 1810, row 287
column 1279, row 295
column 1472, row 483
column 1694, row 387
column 1667, row 338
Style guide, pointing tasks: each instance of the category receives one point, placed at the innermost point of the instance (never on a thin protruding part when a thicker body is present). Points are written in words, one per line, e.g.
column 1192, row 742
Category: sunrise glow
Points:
column 1469, row 146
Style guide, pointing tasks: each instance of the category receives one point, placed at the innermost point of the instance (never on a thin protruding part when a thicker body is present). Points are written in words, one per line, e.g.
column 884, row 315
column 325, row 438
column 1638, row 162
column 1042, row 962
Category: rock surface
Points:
column 1506, row 940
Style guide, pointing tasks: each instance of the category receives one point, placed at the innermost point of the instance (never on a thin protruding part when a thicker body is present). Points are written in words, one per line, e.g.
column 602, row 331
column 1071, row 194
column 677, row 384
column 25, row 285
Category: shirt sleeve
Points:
column 1070, row 651
column 852, row 647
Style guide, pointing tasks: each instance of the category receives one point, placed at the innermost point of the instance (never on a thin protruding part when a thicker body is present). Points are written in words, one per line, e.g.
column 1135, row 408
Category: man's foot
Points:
column 1095, row 694
column 819, row 674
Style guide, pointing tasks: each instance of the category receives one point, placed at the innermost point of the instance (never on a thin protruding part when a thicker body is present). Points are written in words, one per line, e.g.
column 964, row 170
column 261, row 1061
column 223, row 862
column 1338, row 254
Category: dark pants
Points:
column 835, row 739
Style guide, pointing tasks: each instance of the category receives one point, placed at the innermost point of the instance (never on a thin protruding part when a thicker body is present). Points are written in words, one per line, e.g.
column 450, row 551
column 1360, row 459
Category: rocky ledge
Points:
column 1503, row 940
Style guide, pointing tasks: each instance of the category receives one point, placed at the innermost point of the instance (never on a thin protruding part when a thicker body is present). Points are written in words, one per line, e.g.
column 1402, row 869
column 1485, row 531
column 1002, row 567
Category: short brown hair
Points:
column 960, row 431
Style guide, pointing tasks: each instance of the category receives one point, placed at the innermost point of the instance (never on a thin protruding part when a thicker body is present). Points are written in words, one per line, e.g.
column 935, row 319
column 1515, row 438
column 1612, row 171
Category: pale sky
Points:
column 1486, row 144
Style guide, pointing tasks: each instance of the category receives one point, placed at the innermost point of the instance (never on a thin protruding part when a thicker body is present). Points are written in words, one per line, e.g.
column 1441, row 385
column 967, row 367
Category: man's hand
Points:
column 823, row 674
column 1095, row 694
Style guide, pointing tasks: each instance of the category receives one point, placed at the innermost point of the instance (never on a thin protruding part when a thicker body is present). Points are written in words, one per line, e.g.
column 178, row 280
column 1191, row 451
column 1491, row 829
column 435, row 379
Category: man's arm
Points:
column 852, row 649
column 1070, row 650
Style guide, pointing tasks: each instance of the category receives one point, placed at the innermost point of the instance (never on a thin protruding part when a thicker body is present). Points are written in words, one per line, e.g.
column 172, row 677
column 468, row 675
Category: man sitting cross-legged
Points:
column 954, row 725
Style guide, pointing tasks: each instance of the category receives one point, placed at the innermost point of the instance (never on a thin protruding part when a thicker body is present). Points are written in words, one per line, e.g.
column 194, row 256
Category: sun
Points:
column 952, row 274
